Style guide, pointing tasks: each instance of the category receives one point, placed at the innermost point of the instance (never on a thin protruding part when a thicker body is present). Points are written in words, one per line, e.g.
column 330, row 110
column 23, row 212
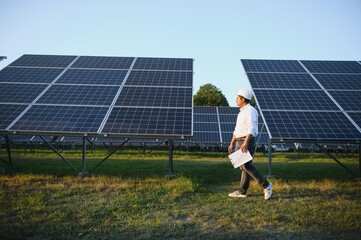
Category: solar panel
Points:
column 315, row 105
column 149, row 121
column 282, row 80
column 2, row 58
column 20, row 93
column 310, row 125
column 9, row 112
column 79, row 95
column 206, row 110
column 214, row 124
column 348, row 99
column 90, row 76
column 43, row 61
column 160, row 78
column 164, row 64
column 206, row 137
column 274, row 66
column 356, row 116
column 61, row 119
column 294, row 100
column 339, row 81
column 156, row 96
column 103, row 62
column 30, row 75
column 332, row 66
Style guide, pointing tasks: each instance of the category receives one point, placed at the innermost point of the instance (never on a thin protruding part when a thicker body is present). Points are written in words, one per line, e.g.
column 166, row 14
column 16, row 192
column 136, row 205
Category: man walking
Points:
column 244, row 135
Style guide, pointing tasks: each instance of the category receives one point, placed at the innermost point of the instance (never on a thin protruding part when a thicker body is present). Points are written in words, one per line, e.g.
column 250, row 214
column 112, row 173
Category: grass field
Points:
column 128, row 197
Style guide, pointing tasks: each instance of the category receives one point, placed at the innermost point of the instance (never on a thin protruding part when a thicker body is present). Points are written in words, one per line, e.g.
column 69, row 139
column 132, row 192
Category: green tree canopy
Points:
column 210, row 95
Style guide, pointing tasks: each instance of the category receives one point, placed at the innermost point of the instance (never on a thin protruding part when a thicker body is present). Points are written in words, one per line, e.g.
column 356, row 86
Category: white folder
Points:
column 238, row 158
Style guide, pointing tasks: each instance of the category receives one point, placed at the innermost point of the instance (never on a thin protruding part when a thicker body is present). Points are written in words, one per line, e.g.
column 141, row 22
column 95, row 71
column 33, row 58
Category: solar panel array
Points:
column 216, row 125
column 308, row 100
column 77, row 95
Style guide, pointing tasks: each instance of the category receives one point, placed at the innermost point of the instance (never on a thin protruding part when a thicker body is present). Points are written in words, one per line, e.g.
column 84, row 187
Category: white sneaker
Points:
column 237, row 194
column 268, row 191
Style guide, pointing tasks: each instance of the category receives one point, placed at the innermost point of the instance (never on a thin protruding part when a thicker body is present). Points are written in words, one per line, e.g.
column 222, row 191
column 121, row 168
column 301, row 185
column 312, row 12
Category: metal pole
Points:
column 83, row 173
column 170, row 166
column 269, row 159
column 8, row 149
column 359, row 157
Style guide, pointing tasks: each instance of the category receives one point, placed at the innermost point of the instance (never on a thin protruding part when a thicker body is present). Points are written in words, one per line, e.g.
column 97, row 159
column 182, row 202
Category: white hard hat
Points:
column 245, row 93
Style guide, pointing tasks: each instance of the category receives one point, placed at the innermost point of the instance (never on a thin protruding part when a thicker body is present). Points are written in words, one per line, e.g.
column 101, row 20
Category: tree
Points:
column 210, row 95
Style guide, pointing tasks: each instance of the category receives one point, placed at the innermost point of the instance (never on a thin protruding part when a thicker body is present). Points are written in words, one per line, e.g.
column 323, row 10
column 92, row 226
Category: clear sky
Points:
column 216, row 34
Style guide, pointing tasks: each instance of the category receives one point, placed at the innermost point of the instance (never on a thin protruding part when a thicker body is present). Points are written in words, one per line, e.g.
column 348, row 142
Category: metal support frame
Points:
column 170, row 161
column 110, row 154
column 83, row 173
column 7, row 141
column 341, row 164
column 359, row 156
column 270, row 161
column 59, row 154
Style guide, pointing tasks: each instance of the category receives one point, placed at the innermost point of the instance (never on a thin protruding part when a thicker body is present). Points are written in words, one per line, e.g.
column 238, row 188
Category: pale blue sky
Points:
column 217, row 34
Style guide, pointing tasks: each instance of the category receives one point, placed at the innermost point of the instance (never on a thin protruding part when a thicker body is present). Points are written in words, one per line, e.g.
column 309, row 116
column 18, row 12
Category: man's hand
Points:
column 244, row 147
column 230, row 148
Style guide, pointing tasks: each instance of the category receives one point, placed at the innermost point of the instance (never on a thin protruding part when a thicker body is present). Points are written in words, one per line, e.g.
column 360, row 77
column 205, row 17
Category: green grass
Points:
column 128, row 197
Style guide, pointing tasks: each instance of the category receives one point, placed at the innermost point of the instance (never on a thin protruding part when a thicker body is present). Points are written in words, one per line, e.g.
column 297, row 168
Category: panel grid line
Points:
column 116, row 97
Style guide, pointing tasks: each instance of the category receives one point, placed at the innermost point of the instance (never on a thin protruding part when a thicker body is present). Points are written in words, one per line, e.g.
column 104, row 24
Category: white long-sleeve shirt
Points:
column 247, row 122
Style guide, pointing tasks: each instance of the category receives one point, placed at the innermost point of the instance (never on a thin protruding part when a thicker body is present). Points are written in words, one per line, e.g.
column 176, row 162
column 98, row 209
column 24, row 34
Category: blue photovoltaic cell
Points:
column 332, row 66
column 340, row 81
column 205, row 118
column 180, row 64
column 282, row 80
column 208, row 127
column 349, row 100
column 8, row 113
column 206, row 110
column 79, row 95
column 228, row 127
column 65, row 119
column 33, row 75
column 20, row 93
column 310, row 125
column 229, row 118
column 160, row 78
column 155, row 96
column 294, row 100
column 287, row 66
column 149, row 121
column 227, row 137
column 206, row 137
column 262, row 138
column 356, row 116
column 88, row 76
column 228, row 110
column 103, row 62
column 43, row 61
